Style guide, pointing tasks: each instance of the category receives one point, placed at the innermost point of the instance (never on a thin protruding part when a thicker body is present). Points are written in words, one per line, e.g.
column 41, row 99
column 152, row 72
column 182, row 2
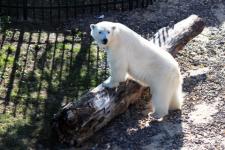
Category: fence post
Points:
column 42, row 12
column 142, row 3
column 67, row 10
column 25, row 9
column 59, row 11
column 75, row 8
column 137, row 4
column 17, row 10
column 0, row 7
column 122, row 5
column 114, row 4
column 99, row 5
column 91, row 3
column 130, row 4
column 50, row 2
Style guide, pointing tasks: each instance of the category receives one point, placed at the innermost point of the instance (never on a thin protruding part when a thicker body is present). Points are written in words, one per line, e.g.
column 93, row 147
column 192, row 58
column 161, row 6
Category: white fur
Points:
column 129, row 53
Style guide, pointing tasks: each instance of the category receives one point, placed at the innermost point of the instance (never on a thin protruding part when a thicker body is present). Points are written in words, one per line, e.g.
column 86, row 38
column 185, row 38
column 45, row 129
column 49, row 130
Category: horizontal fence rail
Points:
column 61, row 10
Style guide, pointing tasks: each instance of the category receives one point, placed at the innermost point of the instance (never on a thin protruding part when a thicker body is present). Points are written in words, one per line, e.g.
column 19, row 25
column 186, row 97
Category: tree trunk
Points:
column 79, row 120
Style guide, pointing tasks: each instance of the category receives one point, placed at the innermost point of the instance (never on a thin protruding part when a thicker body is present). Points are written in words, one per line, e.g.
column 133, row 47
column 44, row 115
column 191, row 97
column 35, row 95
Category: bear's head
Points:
column 103, row 33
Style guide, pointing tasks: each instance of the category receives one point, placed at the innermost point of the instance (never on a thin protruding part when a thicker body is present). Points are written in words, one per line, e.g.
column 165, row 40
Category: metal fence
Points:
column 61, row 10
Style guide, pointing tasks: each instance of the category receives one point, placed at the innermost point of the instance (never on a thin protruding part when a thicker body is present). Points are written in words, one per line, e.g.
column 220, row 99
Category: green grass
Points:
column 46, row 75
column 7, row 55
column 12, row 137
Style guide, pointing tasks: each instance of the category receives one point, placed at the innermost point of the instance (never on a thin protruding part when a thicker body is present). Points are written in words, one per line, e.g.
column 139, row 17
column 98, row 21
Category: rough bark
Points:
column 79, row 120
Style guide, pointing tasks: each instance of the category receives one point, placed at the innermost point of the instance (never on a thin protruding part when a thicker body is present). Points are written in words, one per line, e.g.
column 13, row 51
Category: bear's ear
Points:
column 113, row 27
column 92, row 26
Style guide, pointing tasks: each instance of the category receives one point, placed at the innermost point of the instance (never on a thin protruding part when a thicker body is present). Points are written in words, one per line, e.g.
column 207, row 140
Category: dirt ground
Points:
column 201, row 123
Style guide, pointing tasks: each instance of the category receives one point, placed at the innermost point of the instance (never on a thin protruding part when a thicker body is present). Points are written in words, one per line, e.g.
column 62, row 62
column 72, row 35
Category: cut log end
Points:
column 174, row 38
column 79, row 120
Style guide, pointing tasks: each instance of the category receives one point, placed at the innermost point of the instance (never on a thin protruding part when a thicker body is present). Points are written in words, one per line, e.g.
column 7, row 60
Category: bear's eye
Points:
column 100, row 32
column 108, row 32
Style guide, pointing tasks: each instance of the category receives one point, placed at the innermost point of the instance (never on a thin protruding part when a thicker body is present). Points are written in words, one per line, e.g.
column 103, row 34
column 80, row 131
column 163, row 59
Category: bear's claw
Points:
column 156, row 116
column 110, row 85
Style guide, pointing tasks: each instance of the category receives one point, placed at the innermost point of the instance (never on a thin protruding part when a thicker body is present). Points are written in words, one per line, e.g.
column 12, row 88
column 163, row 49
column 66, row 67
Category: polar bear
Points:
column 129, row 53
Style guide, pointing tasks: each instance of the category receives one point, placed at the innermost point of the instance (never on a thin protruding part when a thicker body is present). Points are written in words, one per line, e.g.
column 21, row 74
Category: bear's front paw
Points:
column 110, row 84
column 157, row 116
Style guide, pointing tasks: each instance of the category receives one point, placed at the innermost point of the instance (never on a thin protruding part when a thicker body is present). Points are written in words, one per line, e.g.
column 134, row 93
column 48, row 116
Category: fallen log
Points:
column 79, row 120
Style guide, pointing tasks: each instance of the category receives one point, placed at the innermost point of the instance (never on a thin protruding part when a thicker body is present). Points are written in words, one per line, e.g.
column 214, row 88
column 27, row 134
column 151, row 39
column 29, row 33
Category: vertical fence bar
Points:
column 83, row 7
column 91, row 7
column 33, row 10
column 17, row 9
column 1, row 7
column 8, row 11
column 25, row 9
column 59, row 11
column 147, row 2
column 105, row 68
column 114, row 4
column 142, row 4
column 122, row 5
column 107, row 5
column 137, row 3
column 50, row 11
column 75, row 8
column 42, row 11
column 99, row 6
column 67, row 9
column 97, row 67
column 130, row 4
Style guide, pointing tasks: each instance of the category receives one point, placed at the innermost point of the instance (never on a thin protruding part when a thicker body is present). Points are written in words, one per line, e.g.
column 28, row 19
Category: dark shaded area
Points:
column 51, row 67
column 58, row 11
column 192, row 81
column 14, row 68
column 133, row 130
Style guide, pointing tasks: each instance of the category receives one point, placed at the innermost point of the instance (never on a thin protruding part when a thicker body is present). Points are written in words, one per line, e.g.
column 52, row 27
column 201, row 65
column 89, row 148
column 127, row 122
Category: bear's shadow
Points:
column 132, row 130
column 191, row 81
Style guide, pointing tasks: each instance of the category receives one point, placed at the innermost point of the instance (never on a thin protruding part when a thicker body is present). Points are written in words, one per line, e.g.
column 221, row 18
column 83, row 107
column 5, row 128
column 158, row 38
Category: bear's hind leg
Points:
column 160, row 103
column 177, row 99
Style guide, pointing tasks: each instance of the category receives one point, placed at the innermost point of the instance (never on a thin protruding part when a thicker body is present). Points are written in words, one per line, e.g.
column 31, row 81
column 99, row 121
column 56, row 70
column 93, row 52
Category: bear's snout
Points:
column 104, row 41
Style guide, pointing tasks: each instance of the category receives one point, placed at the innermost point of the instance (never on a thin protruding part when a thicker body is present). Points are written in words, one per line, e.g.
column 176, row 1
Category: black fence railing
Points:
column 61, row 10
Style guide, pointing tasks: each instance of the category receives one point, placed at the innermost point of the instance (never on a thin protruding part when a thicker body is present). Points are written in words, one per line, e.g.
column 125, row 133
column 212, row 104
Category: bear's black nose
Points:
column 104, row 41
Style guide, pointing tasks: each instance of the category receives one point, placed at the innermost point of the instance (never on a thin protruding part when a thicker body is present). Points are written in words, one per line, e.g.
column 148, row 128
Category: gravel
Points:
column 201, row 123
